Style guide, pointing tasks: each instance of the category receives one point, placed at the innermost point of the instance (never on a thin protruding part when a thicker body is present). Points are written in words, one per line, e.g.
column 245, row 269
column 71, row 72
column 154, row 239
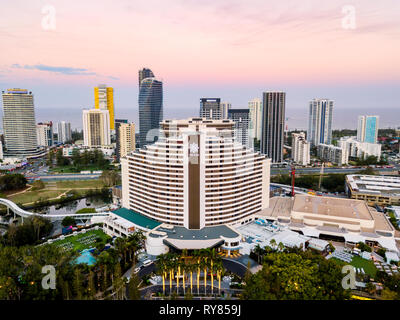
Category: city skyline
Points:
column 238, row 68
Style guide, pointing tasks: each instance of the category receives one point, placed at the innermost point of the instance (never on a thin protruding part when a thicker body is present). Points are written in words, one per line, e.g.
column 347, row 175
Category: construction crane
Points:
column 293, row 177
column 321, row 173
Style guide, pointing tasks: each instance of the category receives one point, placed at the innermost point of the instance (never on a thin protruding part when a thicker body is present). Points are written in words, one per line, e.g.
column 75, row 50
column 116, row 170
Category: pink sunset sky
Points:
column 196, row 46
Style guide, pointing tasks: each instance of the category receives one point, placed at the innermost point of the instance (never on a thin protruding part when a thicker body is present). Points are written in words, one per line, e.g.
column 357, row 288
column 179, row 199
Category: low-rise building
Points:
column 331, row 153
column 108, row 151
column 339, row 219
column 357, row 149
column 380, row 190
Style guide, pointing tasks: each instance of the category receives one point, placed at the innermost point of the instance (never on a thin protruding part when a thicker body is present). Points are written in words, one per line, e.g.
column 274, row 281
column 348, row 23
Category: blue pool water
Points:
column 86, row 257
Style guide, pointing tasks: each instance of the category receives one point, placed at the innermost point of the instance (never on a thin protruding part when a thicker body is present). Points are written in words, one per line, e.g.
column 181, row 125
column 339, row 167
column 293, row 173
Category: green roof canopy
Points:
column 137, row 218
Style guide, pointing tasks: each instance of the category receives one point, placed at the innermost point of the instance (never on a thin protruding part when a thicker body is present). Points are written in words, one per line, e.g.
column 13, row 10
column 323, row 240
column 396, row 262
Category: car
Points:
column 136, row 270
column 147, row 262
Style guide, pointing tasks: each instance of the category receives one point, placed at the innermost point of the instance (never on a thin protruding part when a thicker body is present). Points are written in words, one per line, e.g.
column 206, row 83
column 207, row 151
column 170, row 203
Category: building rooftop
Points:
column 278, row 207
column 137, row 218
column 333, row 207
column 183, row 238
column 197, row 120
column 375, row 185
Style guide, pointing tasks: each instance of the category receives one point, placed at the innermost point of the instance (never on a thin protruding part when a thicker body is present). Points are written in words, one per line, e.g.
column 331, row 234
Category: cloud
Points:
column 61, row 70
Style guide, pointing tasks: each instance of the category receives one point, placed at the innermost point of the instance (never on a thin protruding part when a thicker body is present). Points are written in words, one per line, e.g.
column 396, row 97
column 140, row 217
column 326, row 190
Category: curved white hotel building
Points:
column 196, row 176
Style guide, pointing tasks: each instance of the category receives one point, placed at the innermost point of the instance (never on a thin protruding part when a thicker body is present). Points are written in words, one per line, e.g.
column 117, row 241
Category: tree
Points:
column 364, row 247
column 381, row 252
column 110, row 178
column 34, row 228
column 50, row 159
column 60, row 159
column 13, row 181
column 133, row 288
column 388, row 294
column 77, row 284
column 295, row 276
column 370, row 287
column 68, row 221
column 38, row 185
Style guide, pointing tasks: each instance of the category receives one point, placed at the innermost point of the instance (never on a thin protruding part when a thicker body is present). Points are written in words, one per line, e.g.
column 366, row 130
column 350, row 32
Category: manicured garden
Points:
column 358, row 262
column 83, row 241
column 53, row 190
column 367, row 265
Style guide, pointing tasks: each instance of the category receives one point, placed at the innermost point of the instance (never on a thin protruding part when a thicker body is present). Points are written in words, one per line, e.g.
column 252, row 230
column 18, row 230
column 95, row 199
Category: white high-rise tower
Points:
column 320, row 122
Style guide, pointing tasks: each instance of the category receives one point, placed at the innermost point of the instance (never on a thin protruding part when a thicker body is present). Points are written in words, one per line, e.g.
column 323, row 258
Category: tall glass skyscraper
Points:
column 19, row 123
column 273, row 123
column 150, row 110
column 145, row 73
column 367, row 130
column 320, row 122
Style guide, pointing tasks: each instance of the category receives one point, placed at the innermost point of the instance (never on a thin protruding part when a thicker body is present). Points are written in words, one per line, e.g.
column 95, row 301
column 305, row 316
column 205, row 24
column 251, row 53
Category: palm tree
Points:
column 204, row 265
column 219, row 267
column 178, row 275
column 183, row 274
column 272, row 242
column 161, row 266
column 190, row 268
column 258, row 251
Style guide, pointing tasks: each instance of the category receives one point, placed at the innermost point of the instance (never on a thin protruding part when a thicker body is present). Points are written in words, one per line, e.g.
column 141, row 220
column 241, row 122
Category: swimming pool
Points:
column 86, row 257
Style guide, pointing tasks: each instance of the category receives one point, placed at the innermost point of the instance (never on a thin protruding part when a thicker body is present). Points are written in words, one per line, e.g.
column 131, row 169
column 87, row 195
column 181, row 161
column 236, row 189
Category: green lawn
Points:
column 77, row 245
column 359, row 262
column 91, row 184
column 54, row 189
column 32, row 196
column 367, row 265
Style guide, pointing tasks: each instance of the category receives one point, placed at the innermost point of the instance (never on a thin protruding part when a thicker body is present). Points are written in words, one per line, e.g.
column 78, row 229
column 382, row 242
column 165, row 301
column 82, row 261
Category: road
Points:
column 57, row 177
column 316, row 170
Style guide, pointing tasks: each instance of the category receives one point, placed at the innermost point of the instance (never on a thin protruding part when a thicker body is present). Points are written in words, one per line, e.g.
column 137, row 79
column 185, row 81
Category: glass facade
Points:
column 150, row 110
column 370, row 129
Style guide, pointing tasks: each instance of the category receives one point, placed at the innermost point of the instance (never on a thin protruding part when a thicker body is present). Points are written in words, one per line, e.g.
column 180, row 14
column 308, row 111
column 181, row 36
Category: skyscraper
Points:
column 45, row 136
column 119, row 123
column 150, row 110
column 64, row 132
column 19, row 123
column 145, row 73
column 273, row 123
column 210, row 108
column 255, row 115
column 300, row 149
column 104, row 100
column 127, row 140
column 185, row 195
column 320, row 122
column 367, row 130
column 241, row 127
column 96, row 128
column 225, row 107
